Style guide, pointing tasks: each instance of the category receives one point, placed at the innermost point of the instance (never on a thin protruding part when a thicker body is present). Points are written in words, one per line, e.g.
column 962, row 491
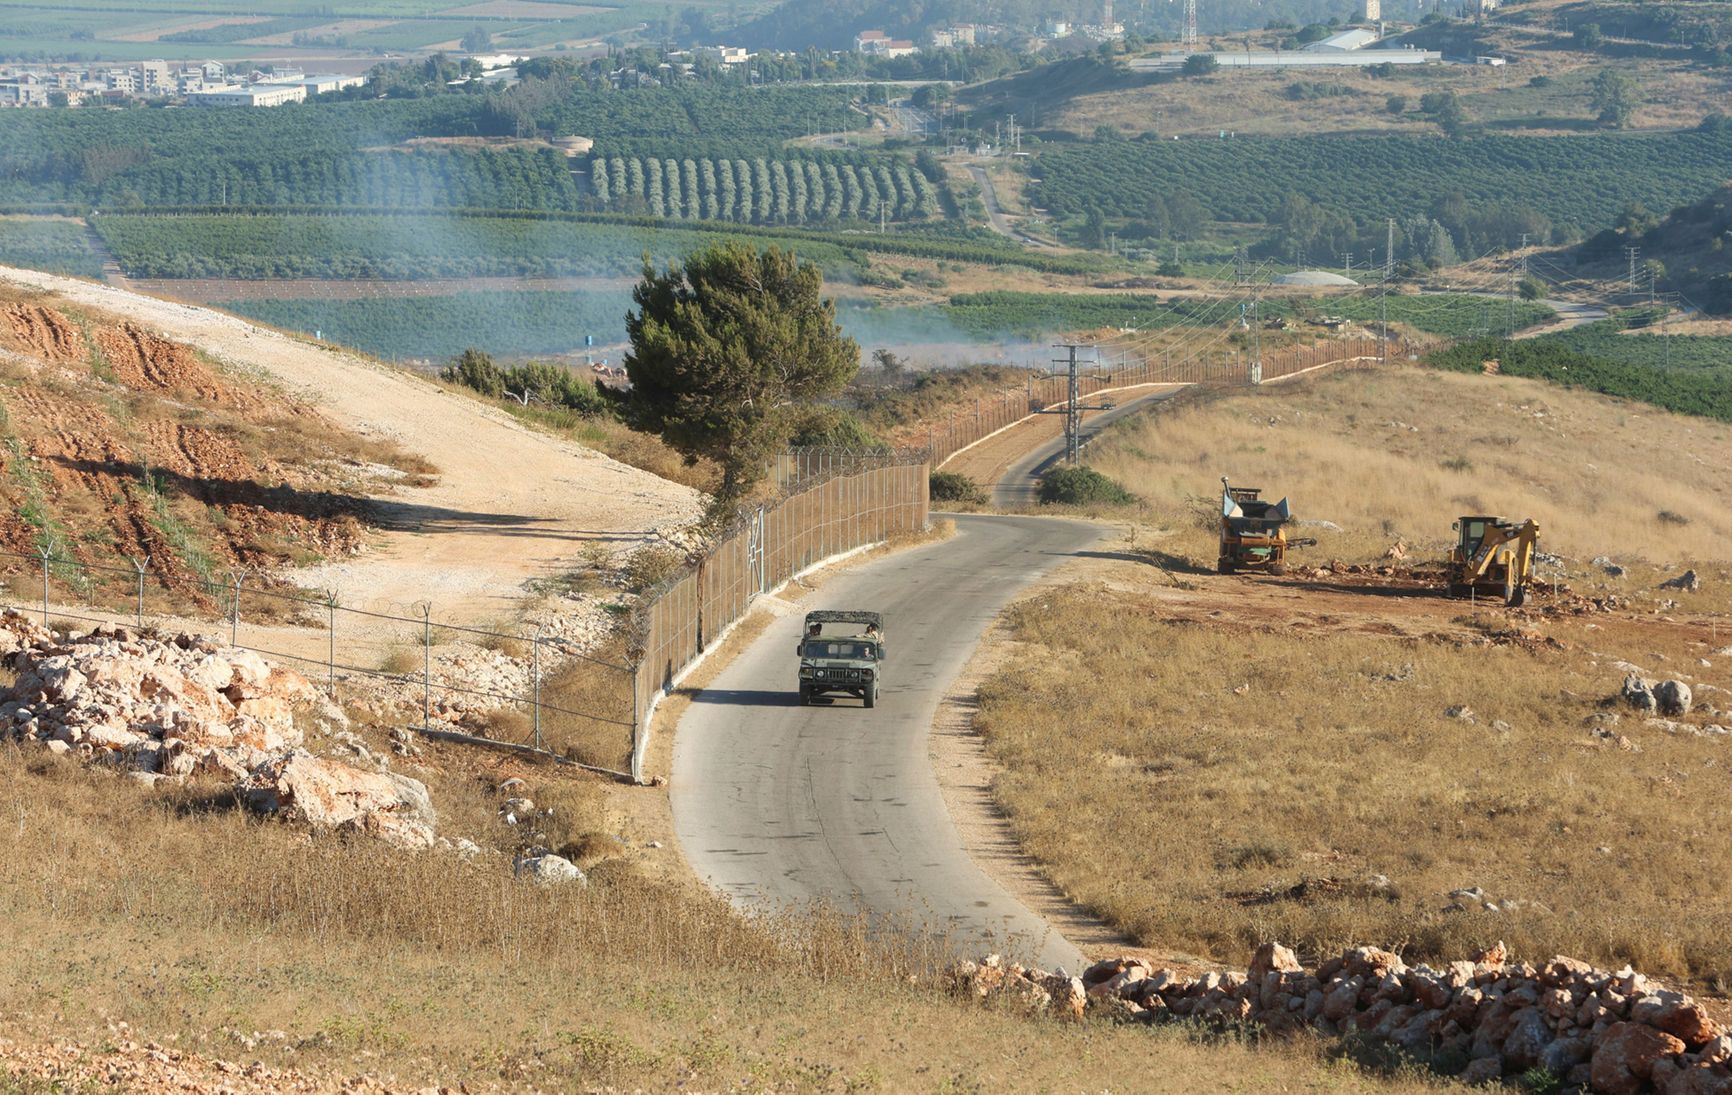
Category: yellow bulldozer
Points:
column 1493, row 558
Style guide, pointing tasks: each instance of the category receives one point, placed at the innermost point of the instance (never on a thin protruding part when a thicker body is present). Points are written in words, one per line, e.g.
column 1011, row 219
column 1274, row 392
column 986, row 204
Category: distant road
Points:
column 776, row 804
column 1019, row 486
column 994, row 214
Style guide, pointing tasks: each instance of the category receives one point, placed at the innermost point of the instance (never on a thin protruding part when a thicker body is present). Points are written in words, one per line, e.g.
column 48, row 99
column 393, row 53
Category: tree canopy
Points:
column 725, row 348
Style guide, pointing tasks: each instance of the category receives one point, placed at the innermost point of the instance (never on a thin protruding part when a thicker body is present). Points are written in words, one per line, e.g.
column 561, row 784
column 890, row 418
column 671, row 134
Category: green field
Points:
column 59, row 247
column 507, row 324
column 1599, row 359
column 1583, row 181
column 997, row 314
column 405, row 247
column 412, row 246
column 1653, row 350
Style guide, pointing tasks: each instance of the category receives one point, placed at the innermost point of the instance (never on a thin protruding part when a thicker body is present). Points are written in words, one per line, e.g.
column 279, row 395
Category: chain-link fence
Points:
column 533, row 691
column 513, row 688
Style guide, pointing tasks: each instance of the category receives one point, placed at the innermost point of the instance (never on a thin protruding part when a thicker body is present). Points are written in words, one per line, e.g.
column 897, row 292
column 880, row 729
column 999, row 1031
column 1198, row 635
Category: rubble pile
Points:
column 179, row 707
column 1613, row 1033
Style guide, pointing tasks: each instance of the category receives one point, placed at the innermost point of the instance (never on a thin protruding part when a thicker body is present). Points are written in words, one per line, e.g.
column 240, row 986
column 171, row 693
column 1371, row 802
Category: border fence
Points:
column 535, row 692
column 848, row 508
column 1041, row 393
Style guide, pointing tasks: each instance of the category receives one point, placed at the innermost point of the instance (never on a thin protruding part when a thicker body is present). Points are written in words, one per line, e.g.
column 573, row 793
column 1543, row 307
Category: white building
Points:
column 319, row 85
column 875, row 43
column 953, row 37
column 1344, row 42
column 724, row 55
column 256, row 95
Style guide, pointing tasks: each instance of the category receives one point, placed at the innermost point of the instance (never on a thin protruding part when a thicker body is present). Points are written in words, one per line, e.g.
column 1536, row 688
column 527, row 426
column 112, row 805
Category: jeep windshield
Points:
column 839, row 648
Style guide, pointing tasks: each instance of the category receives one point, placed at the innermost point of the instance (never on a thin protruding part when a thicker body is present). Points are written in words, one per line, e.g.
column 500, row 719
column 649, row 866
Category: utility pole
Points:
column 1348, row 257
column 1239, row 260
column 880, row 216
column 1256, row 340
column 1190, row 33
column 1383, row 295
column 1073, row 406
column 1630, row 252
column 1509, row 323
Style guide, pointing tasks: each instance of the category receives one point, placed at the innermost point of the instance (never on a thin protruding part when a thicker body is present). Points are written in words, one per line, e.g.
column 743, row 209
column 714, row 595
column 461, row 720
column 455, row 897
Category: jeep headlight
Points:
column 806, row 671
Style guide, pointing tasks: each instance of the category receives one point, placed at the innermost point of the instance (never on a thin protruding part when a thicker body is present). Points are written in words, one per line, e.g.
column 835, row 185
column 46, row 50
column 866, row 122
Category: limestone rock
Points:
column 548, row 869
column 328, row 794
column 1625, row 1057
column 1673, row 697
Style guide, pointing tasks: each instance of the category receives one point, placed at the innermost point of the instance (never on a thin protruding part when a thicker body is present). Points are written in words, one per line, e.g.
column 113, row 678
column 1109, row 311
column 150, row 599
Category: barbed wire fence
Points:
column 528, row 691
column 1041, row 393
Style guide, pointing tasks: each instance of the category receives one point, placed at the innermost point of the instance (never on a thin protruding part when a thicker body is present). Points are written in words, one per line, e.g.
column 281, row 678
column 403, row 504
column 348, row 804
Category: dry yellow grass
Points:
column 1403, row 452
column 1237, row 762
column 1675, row 94
column 190, row 922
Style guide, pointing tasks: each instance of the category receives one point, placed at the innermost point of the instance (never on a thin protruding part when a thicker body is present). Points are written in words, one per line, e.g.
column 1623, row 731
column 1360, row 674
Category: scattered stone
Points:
column 1639, row 693
column 1459, row 711
column 1616, row 1032
column 1673, row 697
column 328, row 794
column 548, row 869
column 1687, row 581
column 1613, row 570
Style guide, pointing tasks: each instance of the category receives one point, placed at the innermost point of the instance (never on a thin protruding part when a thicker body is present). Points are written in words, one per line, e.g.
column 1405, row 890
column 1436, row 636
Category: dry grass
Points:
column 1212, row 759
column 1402, row 453
column 1676, row 94
column 192, row 920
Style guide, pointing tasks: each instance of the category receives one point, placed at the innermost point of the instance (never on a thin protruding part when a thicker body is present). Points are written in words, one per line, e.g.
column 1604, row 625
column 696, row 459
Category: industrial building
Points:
column 257, row 95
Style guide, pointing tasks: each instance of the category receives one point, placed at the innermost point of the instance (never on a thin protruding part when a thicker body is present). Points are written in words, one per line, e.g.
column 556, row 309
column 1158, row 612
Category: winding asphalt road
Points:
column 776, row 804
column 1019, row 487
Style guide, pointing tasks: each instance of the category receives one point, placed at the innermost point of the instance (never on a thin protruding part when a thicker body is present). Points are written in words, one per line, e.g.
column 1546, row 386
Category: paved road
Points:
column 1570, row 314
column 775, row 803
column 1019, row 487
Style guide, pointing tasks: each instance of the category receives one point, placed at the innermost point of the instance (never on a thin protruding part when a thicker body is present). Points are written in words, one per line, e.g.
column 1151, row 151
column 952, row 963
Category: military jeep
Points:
column 842, row 653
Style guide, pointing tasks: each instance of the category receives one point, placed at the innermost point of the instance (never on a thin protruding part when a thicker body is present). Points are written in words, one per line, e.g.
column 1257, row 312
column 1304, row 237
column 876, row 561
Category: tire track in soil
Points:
column 78, row 438
column 43, row 332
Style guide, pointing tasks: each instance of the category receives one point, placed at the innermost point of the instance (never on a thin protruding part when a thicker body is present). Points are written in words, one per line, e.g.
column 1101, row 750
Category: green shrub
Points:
column 832, row 427
column 532, row 382
column 1081, row 486
column 949, row 486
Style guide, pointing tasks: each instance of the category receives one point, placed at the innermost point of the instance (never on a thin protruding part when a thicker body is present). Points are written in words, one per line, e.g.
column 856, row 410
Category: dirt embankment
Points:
column 509, row 503
column 120, row 442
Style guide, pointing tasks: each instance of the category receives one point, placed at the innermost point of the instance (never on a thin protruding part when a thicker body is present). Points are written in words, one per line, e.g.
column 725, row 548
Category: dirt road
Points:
column 509, row 504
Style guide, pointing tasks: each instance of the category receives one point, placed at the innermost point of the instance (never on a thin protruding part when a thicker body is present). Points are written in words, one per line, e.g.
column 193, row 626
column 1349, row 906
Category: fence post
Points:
column 46, row 550
column 331, row 643
column 636, row 728
column 426, row 610
column 535, row 685
column 235, row 613
column 138, row 615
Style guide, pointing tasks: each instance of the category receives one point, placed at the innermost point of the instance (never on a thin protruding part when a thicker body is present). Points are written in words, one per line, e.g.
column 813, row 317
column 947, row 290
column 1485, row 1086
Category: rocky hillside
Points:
column 117, row 442
column 1689, row 244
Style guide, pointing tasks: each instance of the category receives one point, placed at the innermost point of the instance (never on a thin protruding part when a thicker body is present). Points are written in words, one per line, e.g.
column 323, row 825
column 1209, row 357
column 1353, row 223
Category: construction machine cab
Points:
column 1253, row 532
column 1493, row 557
